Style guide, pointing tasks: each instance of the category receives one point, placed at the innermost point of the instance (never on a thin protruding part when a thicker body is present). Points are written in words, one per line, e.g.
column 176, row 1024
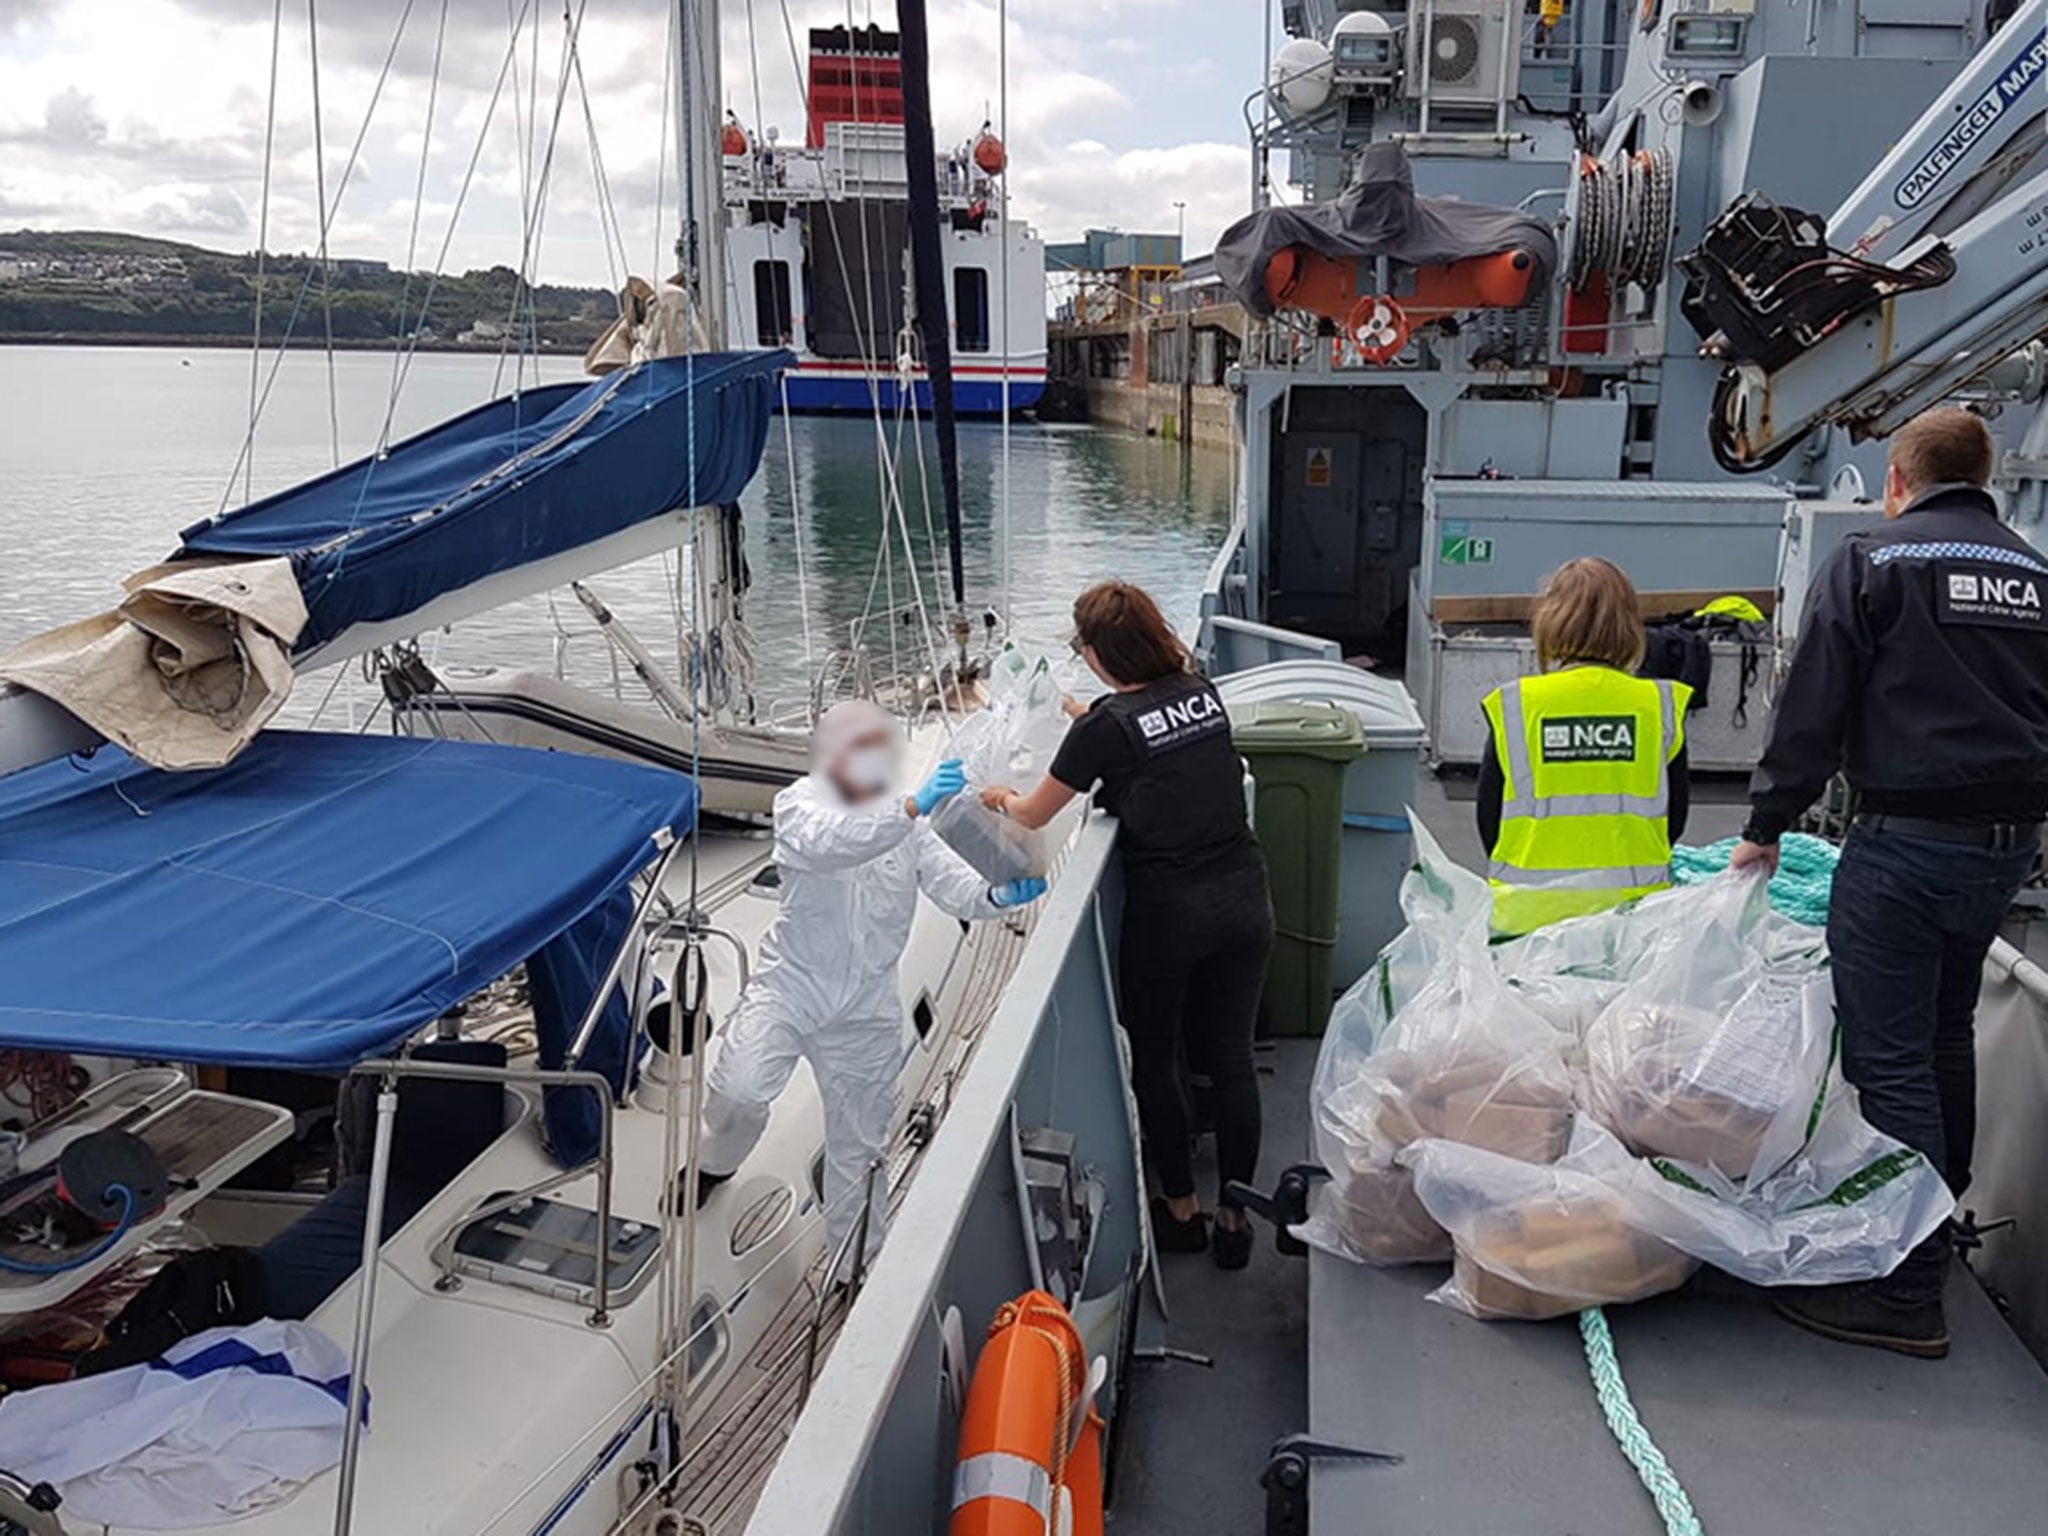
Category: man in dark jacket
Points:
column 1921, row 674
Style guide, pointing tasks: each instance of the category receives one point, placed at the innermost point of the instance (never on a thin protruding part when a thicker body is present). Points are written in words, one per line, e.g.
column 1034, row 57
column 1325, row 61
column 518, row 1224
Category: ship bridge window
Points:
column 970, row 309
column 772, row 323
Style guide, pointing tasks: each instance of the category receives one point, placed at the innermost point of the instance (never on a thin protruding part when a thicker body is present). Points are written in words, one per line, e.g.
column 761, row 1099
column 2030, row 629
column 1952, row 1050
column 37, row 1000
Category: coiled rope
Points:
column 1629, row 1433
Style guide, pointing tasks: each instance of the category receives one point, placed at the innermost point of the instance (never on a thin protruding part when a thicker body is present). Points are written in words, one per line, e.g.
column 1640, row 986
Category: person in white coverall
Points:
column 853, row 857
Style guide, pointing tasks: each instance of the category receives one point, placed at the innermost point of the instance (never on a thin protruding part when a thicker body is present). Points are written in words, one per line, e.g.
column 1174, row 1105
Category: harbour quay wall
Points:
column 1159, row 372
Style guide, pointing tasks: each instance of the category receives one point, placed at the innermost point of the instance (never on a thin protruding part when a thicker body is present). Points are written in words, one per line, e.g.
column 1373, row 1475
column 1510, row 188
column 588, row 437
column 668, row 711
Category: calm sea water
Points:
column 106, row 452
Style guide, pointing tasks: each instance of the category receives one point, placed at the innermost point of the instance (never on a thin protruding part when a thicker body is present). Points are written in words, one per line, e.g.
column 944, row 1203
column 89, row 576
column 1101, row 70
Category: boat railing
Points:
column 865, row 1453
column 388, row 1072
column 2011, row 1252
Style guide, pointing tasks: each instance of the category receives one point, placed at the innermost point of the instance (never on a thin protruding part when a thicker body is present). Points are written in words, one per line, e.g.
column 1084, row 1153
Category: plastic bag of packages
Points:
column 1715, row 1051
column 1010, row 741
column 1541, row 1240
column 1431, row 1042
column 1569, row 971
column 1849, row 1205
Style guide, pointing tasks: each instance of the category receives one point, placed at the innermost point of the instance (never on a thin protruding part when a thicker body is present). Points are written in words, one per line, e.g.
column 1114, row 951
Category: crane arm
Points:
column 1946, row 272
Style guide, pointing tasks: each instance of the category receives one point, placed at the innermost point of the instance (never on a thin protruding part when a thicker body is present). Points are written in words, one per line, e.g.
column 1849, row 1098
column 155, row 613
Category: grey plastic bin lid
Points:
column 1384, row 708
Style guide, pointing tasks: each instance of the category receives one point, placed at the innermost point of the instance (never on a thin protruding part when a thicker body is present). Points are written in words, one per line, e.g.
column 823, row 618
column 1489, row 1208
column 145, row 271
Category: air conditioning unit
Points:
column 1465, row 52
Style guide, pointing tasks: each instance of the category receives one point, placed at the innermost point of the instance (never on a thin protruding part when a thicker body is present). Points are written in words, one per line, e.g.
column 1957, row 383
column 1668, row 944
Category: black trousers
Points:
column 1908, row 928
column 1190, row 969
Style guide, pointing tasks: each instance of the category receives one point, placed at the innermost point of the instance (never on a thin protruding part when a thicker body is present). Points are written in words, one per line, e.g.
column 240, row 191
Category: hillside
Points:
column 86, row 285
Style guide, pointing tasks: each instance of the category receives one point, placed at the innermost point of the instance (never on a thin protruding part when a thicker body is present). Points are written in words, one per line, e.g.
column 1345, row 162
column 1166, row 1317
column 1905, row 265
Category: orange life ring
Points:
column 1030, row 1443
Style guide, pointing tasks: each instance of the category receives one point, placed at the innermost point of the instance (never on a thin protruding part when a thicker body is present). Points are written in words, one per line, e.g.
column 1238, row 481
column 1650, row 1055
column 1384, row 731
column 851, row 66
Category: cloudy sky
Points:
column 149, row 115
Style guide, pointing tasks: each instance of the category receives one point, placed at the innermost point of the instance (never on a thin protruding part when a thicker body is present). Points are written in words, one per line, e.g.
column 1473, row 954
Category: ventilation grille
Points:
column 1454, row 51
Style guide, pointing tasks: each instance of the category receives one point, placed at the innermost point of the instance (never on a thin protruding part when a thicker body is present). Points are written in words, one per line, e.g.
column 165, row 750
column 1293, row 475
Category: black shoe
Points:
column 1231, row 1247
column 706, row 1183
column 1868, row 1313
column 1172, row 1235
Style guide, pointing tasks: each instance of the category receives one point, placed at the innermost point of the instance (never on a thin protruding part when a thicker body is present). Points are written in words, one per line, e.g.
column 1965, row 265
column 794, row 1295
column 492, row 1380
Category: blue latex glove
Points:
column 947, row 780
column 1018, row 892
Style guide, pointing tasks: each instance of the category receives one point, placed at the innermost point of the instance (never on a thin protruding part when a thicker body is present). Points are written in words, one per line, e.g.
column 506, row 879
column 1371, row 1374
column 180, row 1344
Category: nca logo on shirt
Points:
column 1187, row 719
column 1590, row 739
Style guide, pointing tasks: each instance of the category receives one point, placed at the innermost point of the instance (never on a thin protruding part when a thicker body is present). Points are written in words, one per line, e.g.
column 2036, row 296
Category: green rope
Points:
column 1801, row 887
column 1635, row 1441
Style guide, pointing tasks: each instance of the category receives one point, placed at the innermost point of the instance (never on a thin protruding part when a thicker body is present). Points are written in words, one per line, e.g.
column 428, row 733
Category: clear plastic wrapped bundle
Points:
column 1541, row 1241
column 1581, row 1116
column 999, row 849
column 1010, row 741
column 1849, row 1205
column 1429, row 1043
column 1715, row 1051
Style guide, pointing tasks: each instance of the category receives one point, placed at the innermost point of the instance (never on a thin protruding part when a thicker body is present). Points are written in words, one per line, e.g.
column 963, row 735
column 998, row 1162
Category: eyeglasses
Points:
column 1076, row 644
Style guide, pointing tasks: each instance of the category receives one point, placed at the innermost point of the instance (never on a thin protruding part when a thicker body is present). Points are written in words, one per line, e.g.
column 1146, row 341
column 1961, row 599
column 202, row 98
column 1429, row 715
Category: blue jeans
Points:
column 1908, row 929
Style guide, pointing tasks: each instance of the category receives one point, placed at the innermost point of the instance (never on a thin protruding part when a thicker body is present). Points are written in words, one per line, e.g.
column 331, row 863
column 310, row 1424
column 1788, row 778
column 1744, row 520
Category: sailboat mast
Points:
column 921, row 163
column 699, row 115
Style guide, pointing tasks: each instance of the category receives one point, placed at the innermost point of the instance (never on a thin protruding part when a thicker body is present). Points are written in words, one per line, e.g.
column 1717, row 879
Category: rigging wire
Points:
column 522, row 147
column 528, row 337
column 661, row 150
column 262, row 249
column 320, row 195
column 796, row 527
column 412, row 238
column 609, row 230
column 677, row 1323
column 1003, row 272
column 889, row 485
column 505, row 67
column 796, row 514
column 327, row 215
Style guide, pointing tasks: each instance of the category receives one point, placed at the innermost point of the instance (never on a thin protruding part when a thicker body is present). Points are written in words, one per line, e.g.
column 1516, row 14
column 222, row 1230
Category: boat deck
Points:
column 1195, row 1438
column 1769, row 1429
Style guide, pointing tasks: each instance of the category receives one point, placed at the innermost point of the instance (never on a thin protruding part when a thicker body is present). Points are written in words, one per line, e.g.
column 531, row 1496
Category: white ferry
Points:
column 817, row 248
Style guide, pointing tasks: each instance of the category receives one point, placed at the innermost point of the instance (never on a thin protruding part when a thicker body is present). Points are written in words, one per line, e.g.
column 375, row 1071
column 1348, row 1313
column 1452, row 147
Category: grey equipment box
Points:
column 1492, row 543
column 1501, row 538
column 1461, row 666
column 1378, row 789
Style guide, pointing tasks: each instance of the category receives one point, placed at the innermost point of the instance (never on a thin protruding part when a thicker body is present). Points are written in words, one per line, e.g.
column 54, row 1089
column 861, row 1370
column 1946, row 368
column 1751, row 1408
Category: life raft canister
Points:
column 1030, row 1442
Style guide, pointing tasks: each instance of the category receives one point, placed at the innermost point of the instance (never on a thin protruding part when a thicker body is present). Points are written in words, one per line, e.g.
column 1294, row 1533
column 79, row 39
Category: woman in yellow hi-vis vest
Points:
column 1583, row 790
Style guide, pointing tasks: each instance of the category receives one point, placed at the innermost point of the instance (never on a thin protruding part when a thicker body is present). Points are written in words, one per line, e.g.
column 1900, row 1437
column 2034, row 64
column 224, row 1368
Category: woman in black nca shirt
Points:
column 1197, row 920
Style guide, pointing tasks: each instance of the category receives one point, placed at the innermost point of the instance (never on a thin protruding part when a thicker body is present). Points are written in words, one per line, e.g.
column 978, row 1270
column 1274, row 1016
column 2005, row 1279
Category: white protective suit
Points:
column 826, row 988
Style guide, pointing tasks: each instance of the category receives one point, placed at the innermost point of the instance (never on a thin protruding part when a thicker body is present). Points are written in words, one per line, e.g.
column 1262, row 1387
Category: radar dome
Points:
column 1360, row 37
column 1301, row 77
column 1370, row 23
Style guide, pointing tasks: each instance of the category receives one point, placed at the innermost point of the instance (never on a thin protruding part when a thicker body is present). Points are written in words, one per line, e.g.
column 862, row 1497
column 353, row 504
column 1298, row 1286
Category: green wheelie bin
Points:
column 1298, row 753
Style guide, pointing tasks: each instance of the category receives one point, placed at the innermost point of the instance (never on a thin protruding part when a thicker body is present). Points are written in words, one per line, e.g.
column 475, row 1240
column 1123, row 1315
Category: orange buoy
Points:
column 990, row 155
column 1020, row 1437
column 734, row 141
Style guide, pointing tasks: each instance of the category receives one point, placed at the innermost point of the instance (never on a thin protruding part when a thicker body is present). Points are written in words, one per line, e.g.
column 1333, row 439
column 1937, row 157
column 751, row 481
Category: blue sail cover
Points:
column 513, row 482
column 310, row 904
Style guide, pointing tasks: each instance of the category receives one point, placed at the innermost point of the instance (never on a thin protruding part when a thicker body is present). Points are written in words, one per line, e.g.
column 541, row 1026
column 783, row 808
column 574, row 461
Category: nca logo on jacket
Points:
column 1999, row 599
column 1590, row 739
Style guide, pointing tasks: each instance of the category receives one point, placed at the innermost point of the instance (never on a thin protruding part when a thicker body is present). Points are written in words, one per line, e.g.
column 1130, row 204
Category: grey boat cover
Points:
column 1378, row 214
